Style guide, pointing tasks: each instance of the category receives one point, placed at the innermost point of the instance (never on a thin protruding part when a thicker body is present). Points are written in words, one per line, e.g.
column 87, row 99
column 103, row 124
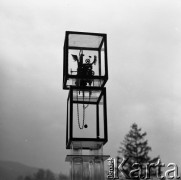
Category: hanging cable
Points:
column 78, row 117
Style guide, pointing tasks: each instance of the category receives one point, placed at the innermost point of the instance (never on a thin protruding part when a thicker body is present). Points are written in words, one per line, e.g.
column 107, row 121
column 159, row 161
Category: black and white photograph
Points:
column 90, row 89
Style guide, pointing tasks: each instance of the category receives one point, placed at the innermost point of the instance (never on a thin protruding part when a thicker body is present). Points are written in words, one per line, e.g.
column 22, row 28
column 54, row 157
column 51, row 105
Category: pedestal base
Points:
column 87, row 167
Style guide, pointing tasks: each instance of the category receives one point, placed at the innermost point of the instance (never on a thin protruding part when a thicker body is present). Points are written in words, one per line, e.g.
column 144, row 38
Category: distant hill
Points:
column 11, row 170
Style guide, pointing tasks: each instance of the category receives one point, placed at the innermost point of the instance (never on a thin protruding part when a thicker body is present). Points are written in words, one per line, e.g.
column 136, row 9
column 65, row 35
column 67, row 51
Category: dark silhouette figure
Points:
column 84, row 70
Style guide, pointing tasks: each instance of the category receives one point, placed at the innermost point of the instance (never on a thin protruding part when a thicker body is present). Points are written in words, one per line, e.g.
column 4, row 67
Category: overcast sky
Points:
column 144, row 86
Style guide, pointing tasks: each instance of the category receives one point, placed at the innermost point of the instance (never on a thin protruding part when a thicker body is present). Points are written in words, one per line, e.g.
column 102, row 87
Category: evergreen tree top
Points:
column 135, row 146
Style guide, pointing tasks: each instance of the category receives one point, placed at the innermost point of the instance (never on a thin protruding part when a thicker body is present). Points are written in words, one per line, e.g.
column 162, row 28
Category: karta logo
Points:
column 141, row 171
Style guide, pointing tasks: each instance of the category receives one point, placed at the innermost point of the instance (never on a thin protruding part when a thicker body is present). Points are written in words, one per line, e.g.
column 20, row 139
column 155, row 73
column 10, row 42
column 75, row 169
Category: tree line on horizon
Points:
column 42, row 174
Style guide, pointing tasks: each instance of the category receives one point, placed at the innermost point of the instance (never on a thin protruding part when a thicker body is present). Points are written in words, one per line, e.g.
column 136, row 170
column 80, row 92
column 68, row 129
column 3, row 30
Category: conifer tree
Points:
column 135, row 149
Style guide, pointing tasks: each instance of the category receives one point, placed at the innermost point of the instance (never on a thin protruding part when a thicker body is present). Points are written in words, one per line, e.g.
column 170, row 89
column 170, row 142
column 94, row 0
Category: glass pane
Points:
column 68, row 118
column 95, row 82
column 101, row 118
column 87, row 144
column 83, row 63
column 86, row 96
column 84, row 115
column 81, row 40
column 102, row 61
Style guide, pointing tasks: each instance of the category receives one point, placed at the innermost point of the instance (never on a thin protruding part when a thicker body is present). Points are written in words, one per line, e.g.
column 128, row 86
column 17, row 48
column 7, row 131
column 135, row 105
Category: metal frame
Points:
column 66, row 76
column 69, row 126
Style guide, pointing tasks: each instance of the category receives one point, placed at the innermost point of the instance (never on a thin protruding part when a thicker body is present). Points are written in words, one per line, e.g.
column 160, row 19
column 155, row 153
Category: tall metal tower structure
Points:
column 85, row 73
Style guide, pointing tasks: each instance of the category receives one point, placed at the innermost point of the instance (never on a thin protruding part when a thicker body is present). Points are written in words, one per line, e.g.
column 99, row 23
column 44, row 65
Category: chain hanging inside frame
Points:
column 83, row 125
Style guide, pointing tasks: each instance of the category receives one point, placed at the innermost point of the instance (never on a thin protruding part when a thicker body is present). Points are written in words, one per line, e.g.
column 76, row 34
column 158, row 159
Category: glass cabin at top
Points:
column 85, row 59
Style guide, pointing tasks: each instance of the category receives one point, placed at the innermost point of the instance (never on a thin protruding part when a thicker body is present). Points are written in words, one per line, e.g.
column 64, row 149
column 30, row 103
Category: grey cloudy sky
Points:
column 144, row 53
